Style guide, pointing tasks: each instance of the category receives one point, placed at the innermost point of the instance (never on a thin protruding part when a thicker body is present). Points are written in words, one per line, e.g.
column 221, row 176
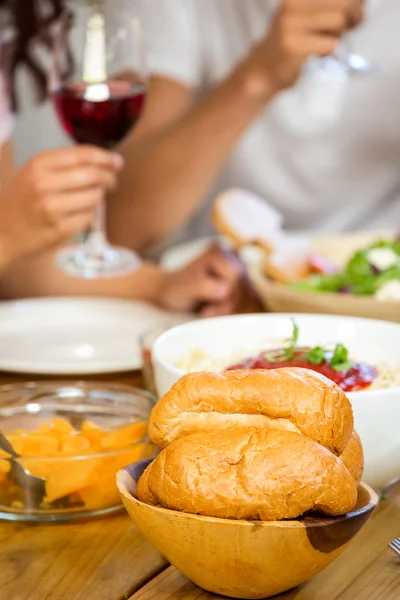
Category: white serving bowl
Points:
column 376, row 412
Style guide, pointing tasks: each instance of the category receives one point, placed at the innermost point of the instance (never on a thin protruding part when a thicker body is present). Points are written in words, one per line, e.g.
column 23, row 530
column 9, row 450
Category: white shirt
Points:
column 326, row 154
column 332, row 172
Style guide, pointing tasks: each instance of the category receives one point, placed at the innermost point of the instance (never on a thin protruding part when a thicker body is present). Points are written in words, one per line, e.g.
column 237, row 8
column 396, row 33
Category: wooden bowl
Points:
column 243, row 559
column 277, row 297
column 280, row 298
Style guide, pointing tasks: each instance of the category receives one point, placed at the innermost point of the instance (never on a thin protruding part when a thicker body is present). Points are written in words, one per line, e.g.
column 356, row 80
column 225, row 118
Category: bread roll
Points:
column 249, row 473
column 353, row 457
column 291, row 399
column 143, row 489
column 290, row 262
column 244, row 218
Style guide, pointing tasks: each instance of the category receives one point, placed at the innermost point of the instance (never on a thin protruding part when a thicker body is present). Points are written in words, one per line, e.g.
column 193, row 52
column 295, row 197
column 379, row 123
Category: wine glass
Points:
column 344, row 61
column 98, row 85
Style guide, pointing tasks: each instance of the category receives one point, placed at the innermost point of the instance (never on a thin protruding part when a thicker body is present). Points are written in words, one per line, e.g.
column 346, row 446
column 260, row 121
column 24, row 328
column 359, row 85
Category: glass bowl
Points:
column 75, row 436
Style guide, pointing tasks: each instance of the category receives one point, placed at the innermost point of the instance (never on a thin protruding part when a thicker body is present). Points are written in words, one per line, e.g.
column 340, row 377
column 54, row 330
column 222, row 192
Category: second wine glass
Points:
column 344, row 60
column 99, row 94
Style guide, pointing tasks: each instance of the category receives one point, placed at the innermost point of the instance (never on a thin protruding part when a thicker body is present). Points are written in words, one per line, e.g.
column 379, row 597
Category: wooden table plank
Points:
column 105, row 559
column 129, row 378
column 369, row 570
column 108, row 559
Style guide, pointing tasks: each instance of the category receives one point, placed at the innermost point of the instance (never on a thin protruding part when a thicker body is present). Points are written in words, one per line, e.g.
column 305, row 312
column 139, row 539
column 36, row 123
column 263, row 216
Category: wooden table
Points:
column 108, row 559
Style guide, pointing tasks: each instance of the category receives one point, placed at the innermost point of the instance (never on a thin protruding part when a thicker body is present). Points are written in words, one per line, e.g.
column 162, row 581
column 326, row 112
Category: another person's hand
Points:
column 52, row 198
column 302, row 28
column 210, row 285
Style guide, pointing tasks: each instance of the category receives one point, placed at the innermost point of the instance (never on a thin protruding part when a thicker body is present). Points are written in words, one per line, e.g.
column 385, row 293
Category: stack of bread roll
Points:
column 256, row 445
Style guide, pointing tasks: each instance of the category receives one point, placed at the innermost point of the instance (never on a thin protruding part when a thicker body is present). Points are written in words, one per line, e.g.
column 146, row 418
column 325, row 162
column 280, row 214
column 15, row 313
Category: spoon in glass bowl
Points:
column 19, row 475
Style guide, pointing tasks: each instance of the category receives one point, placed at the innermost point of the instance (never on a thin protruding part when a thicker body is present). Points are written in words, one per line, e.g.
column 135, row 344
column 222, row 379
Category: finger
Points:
column 79, row 178
column 70, row 203
column 352, row 10
column 220, row 309
column 316, row 45
column 217, row 264
column 210, row 289
column 222, row 268
column 69, row 158
column 73, row 224
column 357, row 14
column 329, row 23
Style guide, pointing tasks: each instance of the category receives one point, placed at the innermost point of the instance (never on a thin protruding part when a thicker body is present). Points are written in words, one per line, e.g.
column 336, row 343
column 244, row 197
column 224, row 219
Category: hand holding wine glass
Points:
column 344, row 59
column 53, row 197
column 99, row 95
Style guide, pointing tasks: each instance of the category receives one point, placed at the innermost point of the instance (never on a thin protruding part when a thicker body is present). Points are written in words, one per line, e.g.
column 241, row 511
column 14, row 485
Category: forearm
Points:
column 7, row 167
column 5, row 261
column 168, row 174
column 40, row 277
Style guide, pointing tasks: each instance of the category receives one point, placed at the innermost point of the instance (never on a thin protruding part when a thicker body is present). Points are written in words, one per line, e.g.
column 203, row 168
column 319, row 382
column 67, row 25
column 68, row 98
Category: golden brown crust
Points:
column 142, row 489
column 249, row 473
column 353, row 457
column 225, row 230
column 289, row 399
column 286, row 273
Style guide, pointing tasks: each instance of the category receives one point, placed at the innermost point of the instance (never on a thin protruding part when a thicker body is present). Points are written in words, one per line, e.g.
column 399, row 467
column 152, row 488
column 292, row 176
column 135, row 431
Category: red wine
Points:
column 101, row 114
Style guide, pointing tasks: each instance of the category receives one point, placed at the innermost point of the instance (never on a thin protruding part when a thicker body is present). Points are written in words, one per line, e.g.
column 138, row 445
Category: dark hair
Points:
column 32, row 22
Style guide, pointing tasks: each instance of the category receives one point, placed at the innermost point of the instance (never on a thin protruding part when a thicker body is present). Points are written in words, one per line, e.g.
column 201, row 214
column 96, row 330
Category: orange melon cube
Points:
column 37, row 467
column 61, row 427
column 69, row 476
column 98, row 497
column 124, row 437
column 39, row 444
column 94, row 434
column 75, row 445
column 90, row 427
column 45, row 428
column 16, row 442
column 5, row 466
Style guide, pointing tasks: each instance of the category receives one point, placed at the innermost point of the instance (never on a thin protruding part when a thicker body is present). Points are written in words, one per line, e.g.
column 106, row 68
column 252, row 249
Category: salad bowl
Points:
column 360, row 288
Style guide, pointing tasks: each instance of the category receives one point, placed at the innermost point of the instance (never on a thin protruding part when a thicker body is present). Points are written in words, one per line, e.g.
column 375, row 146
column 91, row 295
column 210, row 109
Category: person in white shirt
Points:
column 232, row 105
column 53, row 196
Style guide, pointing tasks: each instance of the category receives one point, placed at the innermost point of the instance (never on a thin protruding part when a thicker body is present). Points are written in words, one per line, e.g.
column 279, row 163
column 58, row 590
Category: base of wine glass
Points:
column 80, row 261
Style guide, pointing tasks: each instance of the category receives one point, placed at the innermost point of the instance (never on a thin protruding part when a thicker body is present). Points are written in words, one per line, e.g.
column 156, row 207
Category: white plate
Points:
column 58, row 336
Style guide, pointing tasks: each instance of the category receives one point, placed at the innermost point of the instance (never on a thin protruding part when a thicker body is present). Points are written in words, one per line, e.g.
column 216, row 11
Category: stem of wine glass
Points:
column 343, row 49
column 97, row 239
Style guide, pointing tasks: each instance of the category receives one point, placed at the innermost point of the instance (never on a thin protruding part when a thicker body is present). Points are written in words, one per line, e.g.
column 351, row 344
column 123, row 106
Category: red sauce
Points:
column 358, row 377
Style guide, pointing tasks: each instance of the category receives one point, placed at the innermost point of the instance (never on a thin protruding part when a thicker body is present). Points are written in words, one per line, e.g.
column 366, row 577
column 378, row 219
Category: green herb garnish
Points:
column 358, row 277
column 316, row 355
column 340, row 355
column 338, row 359
column 291, row 349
